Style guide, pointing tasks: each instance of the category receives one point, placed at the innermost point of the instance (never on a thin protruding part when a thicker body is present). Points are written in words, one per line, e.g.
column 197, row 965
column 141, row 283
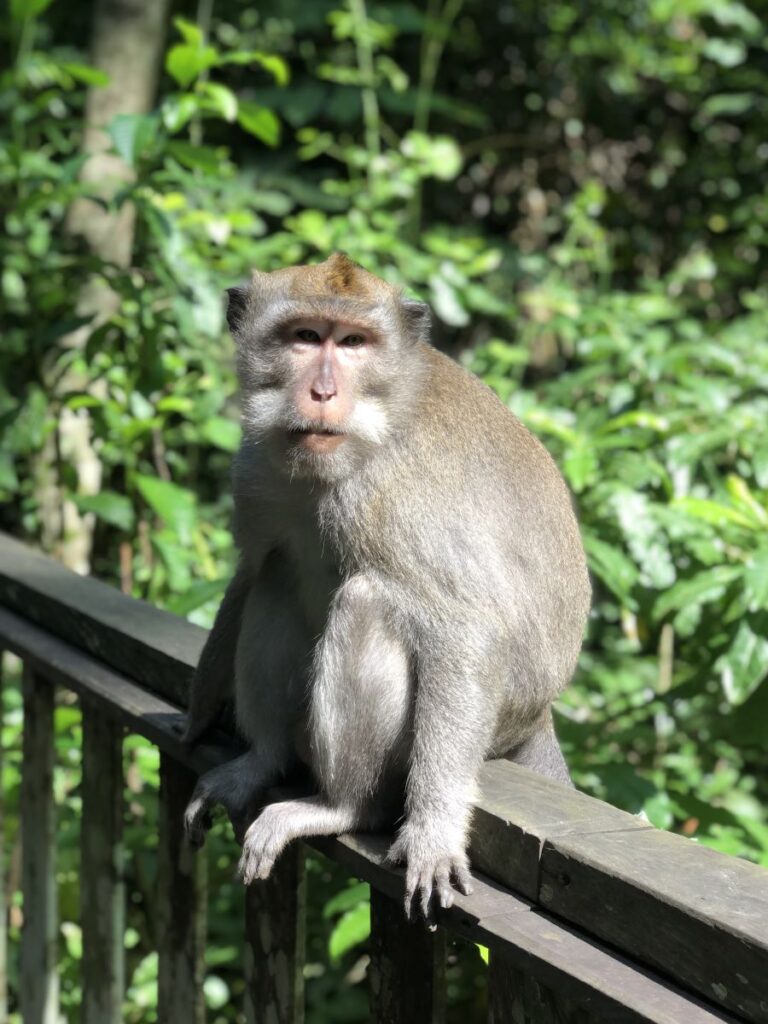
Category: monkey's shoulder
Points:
column 470, row 429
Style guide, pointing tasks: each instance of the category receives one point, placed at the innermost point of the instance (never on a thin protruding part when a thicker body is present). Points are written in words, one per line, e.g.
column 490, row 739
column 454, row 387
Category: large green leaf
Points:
column 259, row 121
column 23, row 9
column 132, row 134
column 112, row 508
column 175, row 505
column 222, row 432
column 612, row 566
column 186, row 61
column 744, row 665
column 350, row 930
column 705, row 587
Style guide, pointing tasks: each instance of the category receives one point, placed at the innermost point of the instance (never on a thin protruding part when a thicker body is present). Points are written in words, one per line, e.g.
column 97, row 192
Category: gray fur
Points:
column 417, row 600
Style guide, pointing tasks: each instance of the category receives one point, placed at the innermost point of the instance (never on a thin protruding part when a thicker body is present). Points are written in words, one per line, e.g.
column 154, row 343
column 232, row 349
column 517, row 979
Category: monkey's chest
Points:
column 317, row 576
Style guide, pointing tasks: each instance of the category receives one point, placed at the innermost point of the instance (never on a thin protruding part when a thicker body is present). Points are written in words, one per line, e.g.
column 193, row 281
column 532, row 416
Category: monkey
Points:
column 411, row 592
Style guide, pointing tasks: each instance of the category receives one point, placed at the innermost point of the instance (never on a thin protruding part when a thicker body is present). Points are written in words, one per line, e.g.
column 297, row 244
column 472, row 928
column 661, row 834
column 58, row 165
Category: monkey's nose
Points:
column 322, row 391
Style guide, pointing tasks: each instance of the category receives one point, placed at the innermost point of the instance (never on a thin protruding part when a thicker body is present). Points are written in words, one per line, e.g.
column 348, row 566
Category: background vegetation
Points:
column 579, row 192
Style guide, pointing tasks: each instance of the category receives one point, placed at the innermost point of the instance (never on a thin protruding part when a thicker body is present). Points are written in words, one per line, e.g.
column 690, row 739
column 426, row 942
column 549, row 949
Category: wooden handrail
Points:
column 587, row 909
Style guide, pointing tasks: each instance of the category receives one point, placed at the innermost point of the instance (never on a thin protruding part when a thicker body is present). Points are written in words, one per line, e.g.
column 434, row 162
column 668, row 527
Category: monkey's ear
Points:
column 417, row 318
column 237, row 301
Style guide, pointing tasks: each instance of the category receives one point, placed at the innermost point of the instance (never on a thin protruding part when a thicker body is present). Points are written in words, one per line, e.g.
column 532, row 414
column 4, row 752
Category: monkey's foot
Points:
column 236, row 785
column 431, row 874
column 280, row 823
column 264, row 841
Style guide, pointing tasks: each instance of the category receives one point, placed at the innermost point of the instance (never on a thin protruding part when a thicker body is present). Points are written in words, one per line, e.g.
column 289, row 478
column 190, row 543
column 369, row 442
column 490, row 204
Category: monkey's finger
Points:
column 411, row 887
column 443, row 884
column 426, row 896
column 463, row 877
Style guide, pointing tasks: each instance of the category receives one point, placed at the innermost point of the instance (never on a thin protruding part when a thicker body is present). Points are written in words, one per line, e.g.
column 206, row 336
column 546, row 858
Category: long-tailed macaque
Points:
column 412, row 590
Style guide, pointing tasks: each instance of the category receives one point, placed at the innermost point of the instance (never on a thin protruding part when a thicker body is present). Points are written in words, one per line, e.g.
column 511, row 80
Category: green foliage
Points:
column 580, row 196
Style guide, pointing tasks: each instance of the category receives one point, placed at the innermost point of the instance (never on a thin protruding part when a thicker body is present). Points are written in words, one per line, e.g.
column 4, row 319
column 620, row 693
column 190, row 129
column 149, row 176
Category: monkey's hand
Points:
column 434, row 868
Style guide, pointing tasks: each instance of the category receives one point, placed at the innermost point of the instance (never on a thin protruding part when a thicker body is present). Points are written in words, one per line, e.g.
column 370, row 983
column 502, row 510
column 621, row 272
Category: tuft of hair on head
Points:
column 342, row 273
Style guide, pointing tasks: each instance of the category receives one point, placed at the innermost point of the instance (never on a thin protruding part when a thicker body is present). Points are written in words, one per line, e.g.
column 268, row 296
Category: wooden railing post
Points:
column 516, row 997
column 275, row 936
column 39, row 980
column 182, row 904
column 102, row 893
column 407, row 970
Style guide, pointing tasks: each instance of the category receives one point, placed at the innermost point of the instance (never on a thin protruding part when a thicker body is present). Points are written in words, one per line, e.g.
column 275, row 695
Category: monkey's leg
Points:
column 213, row 681
column 458, row 695
column 272, row 651
column 360, row 709
column 541, row 752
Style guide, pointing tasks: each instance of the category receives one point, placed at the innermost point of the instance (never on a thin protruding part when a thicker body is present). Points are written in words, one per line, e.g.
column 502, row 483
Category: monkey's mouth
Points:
column 317, row 439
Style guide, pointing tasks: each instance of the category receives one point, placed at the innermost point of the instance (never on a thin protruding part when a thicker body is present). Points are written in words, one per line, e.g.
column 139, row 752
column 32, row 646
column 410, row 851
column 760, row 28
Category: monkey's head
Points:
column 327, row 362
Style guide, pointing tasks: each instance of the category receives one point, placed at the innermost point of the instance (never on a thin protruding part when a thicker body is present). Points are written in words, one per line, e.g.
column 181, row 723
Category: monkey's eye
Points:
column 306, row 334
column 353, row 340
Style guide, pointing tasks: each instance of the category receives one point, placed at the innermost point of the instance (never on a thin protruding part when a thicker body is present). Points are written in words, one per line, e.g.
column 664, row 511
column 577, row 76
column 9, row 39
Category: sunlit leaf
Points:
column 176, row 505
column 222, row 432
column 275, row 65
column 259, row 121
column 23, row 9
column 744, row 665
column 219, row 99
column 347, row 899
column 350, row 930
column 86, row 74
column 112, row 508
column 132, row 134
column 184, row 62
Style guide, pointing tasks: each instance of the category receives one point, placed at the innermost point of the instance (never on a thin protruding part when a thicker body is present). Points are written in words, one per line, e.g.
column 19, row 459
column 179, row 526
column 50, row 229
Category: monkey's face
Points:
column 325, row 371
column 330, row 415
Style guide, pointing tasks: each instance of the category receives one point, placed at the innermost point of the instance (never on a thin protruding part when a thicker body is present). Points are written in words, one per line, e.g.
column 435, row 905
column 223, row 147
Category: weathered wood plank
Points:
column 518, row 809
column 515, row 997
column 182, row 904
column 688, row 911
column 582, row 971
column 115, row 696
column 407, row 969
column 160, row 648
column 275, row 937
column 102, row 891
column 39, row 980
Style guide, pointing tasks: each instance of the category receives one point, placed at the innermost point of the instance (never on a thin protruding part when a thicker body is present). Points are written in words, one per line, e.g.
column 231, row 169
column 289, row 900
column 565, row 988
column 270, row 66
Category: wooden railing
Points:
column 589, row 913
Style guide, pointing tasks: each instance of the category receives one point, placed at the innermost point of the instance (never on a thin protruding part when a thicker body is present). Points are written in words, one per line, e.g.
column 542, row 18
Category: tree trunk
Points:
column 127, row 43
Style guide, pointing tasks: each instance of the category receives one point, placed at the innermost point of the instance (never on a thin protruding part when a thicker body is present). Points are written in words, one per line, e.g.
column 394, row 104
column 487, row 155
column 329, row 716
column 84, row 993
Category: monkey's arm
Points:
column 213, row 681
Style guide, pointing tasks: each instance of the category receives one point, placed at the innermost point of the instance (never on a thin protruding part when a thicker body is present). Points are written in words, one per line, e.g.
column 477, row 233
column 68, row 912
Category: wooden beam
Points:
column 39, row 979
column 102, row 892
column 585, row 973
column 275, row 936
column 161, row 649
column 182, row 904
column 407, row 969
column 690, row 912
column 518, row 810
